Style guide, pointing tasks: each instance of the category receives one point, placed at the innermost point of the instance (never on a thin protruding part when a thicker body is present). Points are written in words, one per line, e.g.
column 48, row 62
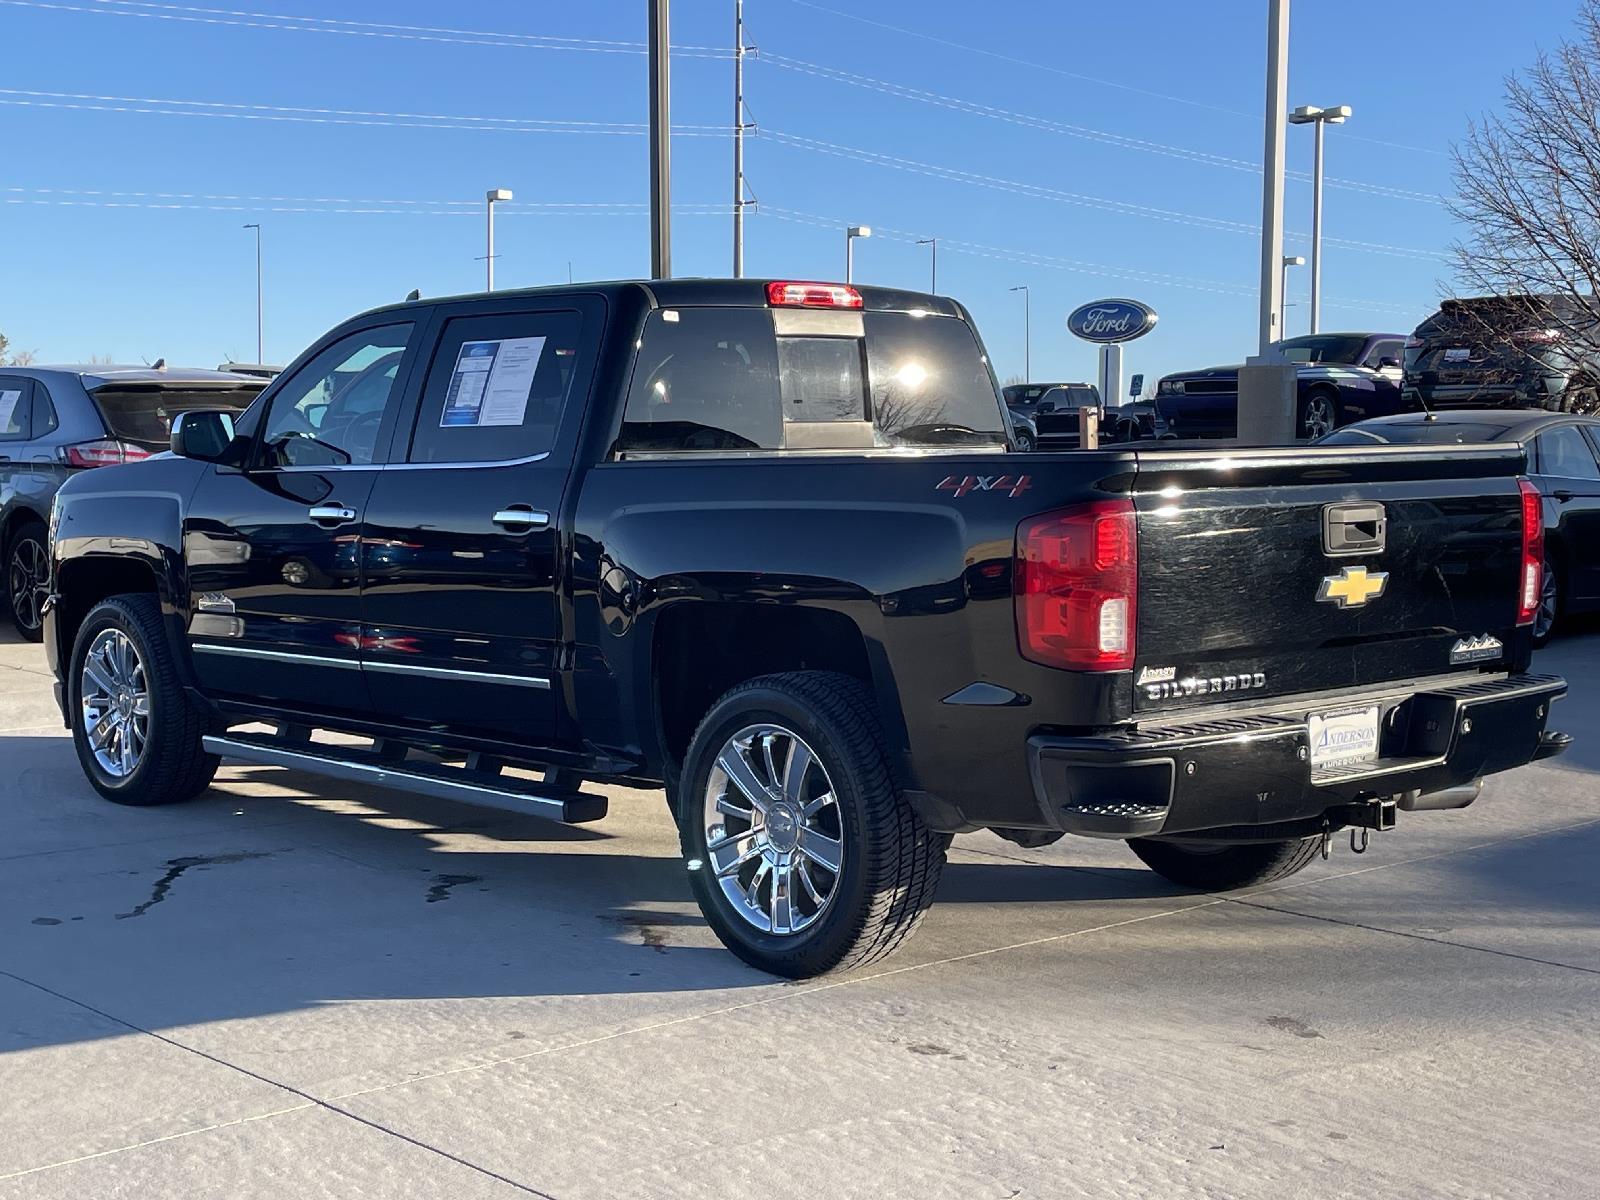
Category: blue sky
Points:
column 1084, row 150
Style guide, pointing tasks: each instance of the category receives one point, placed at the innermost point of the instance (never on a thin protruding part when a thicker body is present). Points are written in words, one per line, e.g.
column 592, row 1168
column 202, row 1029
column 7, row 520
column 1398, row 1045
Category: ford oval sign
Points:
column 1112, row 321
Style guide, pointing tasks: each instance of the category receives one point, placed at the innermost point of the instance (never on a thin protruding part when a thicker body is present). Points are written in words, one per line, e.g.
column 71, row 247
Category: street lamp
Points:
column 850, row 236
column 492, row 195
column 1289, row 260
column 1310, row 114
column 1027, row 331
column 257, row 228
column 933, row 249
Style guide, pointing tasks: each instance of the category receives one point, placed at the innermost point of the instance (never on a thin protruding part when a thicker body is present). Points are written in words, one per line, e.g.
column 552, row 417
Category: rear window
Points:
column 144, row 415
column 709, row 379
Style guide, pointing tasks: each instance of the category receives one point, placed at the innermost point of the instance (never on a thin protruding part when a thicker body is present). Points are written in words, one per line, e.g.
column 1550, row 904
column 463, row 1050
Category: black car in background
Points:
column 1344, row 377
column 1563, row 462
column 1510, row 351
column 56, row 421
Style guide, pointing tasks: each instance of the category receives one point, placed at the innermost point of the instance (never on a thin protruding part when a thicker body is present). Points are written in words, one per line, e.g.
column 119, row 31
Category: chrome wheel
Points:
column 114, row 699
column 1549, row 602
column 27, row 577
column 1319, row 416
column 773, row 830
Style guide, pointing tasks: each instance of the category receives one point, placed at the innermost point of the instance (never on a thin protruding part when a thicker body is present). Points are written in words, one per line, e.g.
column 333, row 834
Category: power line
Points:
column 1059, row 195
column 370, row 29
column 1032, row 121
column 1035, row 65
column 344, row 205
column 333, row 116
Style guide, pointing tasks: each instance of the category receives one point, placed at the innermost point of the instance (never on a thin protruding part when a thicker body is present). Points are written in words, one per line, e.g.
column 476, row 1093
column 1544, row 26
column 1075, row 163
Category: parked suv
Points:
column 58, row 420
column 1507, row 352
column 765, row 545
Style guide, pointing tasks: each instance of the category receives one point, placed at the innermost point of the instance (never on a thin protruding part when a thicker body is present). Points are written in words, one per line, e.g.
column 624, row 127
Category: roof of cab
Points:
column 689, row 293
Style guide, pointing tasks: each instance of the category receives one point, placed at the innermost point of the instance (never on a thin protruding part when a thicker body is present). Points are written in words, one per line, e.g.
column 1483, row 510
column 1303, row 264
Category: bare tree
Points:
column 1528, row 197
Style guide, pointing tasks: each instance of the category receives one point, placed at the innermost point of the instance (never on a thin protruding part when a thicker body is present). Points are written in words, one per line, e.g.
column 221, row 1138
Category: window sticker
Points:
column 8, row 409
column 492, row 382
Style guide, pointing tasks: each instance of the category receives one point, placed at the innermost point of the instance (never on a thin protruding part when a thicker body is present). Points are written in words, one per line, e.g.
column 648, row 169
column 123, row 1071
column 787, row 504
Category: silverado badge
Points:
column 1352, row 587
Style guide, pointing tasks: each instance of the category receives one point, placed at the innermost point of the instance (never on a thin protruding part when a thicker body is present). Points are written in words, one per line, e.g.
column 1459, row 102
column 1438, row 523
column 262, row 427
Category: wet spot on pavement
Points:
column 1293, row 1025
column 175, row 868
column 443, row 883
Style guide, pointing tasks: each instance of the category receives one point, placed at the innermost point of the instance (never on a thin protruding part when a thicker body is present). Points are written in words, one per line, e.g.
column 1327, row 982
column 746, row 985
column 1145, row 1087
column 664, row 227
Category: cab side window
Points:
column 1565, row 452
column 329, row 413
column 499, row 385
column 706, row 379
column 16, row 409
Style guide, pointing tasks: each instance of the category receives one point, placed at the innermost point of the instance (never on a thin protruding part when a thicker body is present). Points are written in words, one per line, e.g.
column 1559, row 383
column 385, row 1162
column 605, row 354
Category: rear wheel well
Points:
column 703, row 650
column 16, row 520
column 83, row 583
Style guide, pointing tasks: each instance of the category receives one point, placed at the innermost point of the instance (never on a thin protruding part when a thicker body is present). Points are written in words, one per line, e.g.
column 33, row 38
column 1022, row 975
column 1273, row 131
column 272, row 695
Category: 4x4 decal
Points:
column 1012, row 485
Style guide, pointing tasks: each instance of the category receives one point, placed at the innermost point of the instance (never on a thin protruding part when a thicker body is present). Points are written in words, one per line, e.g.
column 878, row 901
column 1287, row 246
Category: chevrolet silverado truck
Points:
column 770, row 546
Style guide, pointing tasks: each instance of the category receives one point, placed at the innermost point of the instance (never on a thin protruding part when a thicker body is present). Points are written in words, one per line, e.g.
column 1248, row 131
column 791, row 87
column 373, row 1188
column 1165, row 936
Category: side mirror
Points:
column 203, row 434
column 1388, row 361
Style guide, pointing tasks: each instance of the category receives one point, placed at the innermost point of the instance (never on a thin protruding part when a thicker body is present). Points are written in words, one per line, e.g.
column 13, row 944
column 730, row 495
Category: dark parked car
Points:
column 1028, row 402
column 58, row 420
column 1511, row 351
column 1344, row 377
column 1564, row 464
column 765, row 544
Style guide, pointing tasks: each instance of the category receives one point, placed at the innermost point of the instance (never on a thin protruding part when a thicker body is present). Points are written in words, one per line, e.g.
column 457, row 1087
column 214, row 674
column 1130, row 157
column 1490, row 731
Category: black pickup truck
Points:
column 769, row 545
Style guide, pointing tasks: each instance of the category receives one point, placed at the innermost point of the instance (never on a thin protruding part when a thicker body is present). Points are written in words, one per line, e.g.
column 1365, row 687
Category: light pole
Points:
column 257, row 228
column 933, row 263
column 1289, row 260
column 1272, row 155
column 1027, row 331
column 490, row 197
column 738, row 139
column 850, row 236
column 1310, row 114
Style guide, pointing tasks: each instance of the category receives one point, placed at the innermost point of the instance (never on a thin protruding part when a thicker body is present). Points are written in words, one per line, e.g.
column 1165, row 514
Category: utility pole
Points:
column 1027, row 331
column 932, row 243
column 1272, row 174
column 257, row 228
column 660, row 142
column 738, row 139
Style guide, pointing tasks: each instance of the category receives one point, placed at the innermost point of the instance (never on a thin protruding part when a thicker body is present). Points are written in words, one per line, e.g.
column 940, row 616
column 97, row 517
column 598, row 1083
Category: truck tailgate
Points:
column 1272, row 572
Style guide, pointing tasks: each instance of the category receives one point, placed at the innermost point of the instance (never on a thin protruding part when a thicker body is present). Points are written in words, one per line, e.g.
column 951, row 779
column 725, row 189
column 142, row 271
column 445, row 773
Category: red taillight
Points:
column 1076, row 585
column 108, row 452
column 1532, row 576
column 1537, row 337
column 813, row 295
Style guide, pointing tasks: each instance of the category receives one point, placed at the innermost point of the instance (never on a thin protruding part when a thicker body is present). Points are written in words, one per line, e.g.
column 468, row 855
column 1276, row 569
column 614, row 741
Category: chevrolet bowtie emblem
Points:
column 1352, row 587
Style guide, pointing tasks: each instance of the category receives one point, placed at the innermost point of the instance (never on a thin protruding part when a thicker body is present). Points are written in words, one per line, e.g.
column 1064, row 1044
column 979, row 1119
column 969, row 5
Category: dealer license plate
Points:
column 1344, row 736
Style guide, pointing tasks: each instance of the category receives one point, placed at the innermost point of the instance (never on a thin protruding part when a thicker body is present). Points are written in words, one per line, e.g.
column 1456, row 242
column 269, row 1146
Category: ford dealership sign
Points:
column 1112, row 321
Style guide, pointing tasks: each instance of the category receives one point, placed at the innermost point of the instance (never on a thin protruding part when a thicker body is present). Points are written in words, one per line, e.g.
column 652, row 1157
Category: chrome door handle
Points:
column 522, row 517
column 332, row 514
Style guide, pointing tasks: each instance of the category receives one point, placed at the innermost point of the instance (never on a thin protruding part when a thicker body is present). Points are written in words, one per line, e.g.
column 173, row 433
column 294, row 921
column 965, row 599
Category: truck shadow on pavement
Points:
column 243, row 904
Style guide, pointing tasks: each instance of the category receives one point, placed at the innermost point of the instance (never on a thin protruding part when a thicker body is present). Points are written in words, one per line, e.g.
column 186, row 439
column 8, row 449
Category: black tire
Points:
column 27, row 555
column 890, row 863
column 1025, row 442
column 1222, row 868
column 174, row 765
column 1318, row 401
column 1552, row 604
column 1582, row 395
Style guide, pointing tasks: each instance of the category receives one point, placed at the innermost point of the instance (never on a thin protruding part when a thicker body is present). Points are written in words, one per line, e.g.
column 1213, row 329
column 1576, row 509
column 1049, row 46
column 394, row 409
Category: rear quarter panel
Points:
column 918, row 563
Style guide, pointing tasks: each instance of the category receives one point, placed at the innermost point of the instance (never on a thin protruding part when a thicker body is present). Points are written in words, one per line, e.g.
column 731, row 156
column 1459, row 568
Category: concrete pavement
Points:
column 294, row 987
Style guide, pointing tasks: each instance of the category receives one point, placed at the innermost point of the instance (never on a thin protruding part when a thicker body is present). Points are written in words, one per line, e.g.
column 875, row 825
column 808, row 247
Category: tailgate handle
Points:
column 1353, row 529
